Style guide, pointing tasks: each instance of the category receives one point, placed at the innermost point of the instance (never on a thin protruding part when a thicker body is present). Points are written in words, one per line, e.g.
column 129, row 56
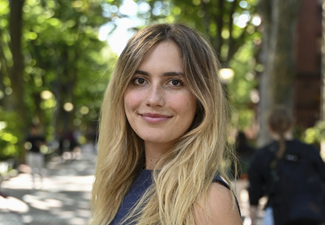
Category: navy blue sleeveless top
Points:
column 138, row 188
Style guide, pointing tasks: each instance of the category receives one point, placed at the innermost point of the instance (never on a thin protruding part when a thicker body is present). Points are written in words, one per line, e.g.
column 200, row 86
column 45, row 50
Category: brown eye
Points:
column 139, row 81
column 176, row 82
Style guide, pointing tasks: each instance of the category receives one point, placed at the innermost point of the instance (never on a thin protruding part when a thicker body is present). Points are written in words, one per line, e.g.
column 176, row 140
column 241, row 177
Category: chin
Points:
column 157, row 139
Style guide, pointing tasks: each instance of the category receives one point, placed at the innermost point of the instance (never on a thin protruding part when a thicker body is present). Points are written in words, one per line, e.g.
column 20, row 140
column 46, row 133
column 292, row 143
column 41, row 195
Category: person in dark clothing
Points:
column 35, row 158
column 244, row 153
column 67, row 141
column 264, row 163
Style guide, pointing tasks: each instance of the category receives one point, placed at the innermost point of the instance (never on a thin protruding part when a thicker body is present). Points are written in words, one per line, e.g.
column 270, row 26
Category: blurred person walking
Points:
column 244, row 153
column 291, row 174
column 35, row 158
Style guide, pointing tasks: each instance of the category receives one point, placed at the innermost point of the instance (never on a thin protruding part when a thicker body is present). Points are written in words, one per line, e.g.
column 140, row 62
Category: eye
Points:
column 139, row 81
column 176, row 82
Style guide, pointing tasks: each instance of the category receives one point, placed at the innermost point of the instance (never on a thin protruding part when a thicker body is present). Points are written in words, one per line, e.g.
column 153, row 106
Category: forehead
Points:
column 164, row 54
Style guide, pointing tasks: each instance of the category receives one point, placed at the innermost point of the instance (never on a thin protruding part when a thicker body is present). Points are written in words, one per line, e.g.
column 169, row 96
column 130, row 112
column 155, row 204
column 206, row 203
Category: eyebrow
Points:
column 171, row 73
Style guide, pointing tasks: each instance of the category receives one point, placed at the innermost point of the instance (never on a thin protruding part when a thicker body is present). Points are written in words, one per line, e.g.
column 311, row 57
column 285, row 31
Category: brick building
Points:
column 308, row 64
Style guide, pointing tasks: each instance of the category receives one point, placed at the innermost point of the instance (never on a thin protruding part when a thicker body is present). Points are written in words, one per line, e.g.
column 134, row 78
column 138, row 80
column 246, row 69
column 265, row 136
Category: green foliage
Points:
column 5, row 53
column 64, row 53
column 10, row 137
column 315, row 134
column 243, row 94
column 64, row 61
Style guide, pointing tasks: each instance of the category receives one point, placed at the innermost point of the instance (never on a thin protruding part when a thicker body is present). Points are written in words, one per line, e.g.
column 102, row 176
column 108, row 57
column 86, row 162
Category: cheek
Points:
column 185, row 104
column 130, row 100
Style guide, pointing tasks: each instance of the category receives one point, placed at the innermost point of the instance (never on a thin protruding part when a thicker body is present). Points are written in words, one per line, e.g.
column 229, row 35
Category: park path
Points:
column 64, row 198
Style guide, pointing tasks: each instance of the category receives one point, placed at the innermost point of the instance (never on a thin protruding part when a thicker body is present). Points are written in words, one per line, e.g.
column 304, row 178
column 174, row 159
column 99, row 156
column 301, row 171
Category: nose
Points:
column 155, row 97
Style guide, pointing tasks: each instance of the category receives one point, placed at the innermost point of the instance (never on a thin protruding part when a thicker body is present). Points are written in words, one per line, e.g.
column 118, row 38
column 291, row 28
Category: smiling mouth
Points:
column 154, row 117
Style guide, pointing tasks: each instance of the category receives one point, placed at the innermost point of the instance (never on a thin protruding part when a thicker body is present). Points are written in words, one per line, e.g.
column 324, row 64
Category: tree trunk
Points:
column 16, row 76
column 276, row 83
column 322, row 100
column 2, row 74
column 220, row 23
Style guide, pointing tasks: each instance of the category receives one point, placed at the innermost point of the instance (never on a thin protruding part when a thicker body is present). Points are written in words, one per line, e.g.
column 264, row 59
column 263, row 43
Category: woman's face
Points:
column 158, row 103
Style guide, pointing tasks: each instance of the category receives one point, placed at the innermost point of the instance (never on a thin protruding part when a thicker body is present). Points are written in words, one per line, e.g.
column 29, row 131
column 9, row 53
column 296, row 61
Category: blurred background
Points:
column 56, row 58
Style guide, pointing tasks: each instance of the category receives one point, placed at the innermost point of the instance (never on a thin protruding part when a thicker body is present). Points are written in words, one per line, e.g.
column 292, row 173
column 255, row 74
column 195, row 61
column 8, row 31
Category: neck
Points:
column 287, row 136
column 153, row 151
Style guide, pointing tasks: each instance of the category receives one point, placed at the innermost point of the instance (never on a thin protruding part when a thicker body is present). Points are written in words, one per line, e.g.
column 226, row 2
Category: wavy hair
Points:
column 189, row 167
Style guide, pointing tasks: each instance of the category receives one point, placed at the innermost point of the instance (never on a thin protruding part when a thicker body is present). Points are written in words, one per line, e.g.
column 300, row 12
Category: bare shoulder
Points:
column 220, row 208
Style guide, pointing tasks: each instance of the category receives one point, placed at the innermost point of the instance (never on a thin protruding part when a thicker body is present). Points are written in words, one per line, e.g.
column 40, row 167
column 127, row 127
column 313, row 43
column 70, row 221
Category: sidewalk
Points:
column 64, row 198
column 243, row 199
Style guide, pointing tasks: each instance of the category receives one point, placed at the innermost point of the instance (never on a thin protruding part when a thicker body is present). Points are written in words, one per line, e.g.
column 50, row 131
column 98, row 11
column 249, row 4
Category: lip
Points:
column 154, row 117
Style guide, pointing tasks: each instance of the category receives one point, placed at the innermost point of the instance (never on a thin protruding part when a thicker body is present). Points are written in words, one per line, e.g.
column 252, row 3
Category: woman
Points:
column 281, row 170
column 162, row 135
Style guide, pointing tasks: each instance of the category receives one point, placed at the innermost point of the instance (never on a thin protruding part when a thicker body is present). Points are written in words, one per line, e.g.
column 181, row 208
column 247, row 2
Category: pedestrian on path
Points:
column 291, row 174
column 35, row 158
column 163, row 132
column 244, row 153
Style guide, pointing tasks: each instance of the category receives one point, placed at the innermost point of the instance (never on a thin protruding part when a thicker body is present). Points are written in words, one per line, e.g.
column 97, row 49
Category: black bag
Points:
column 299, row 192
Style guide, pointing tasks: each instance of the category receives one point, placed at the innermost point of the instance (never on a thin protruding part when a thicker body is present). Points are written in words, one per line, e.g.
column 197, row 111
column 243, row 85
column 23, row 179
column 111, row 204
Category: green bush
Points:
column 10, row 135
column 315, row 134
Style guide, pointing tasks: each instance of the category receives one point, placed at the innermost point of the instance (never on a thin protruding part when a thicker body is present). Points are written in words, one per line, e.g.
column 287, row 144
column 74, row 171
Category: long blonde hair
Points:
column 189, row 167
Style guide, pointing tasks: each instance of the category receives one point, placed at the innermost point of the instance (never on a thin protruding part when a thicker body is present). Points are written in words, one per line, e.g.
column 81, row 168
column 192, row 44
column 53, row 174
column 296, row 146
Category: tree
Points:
column 16, row 73
column 5, row 53
column 279, row 18
column 322, row 102
column 64, row 67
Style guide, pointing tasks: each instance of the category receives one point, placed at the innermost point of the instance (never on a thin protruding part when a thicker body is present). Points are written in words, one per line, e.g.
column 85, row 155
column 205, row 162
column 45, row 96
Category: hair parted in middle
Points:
column 189, row 167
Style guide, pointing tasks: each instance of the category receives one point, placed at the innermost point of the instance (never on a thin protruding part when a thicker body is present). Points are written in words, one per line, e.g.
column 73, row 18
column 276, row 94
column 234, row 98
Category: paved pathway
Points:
column 65, row 196
column 242, row 195
column 63, row 199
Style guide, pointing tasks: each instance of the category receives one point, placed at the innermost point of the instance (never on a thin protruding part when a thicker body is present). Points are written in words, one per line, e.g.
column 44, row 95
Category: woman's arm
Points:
column 221, row 208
